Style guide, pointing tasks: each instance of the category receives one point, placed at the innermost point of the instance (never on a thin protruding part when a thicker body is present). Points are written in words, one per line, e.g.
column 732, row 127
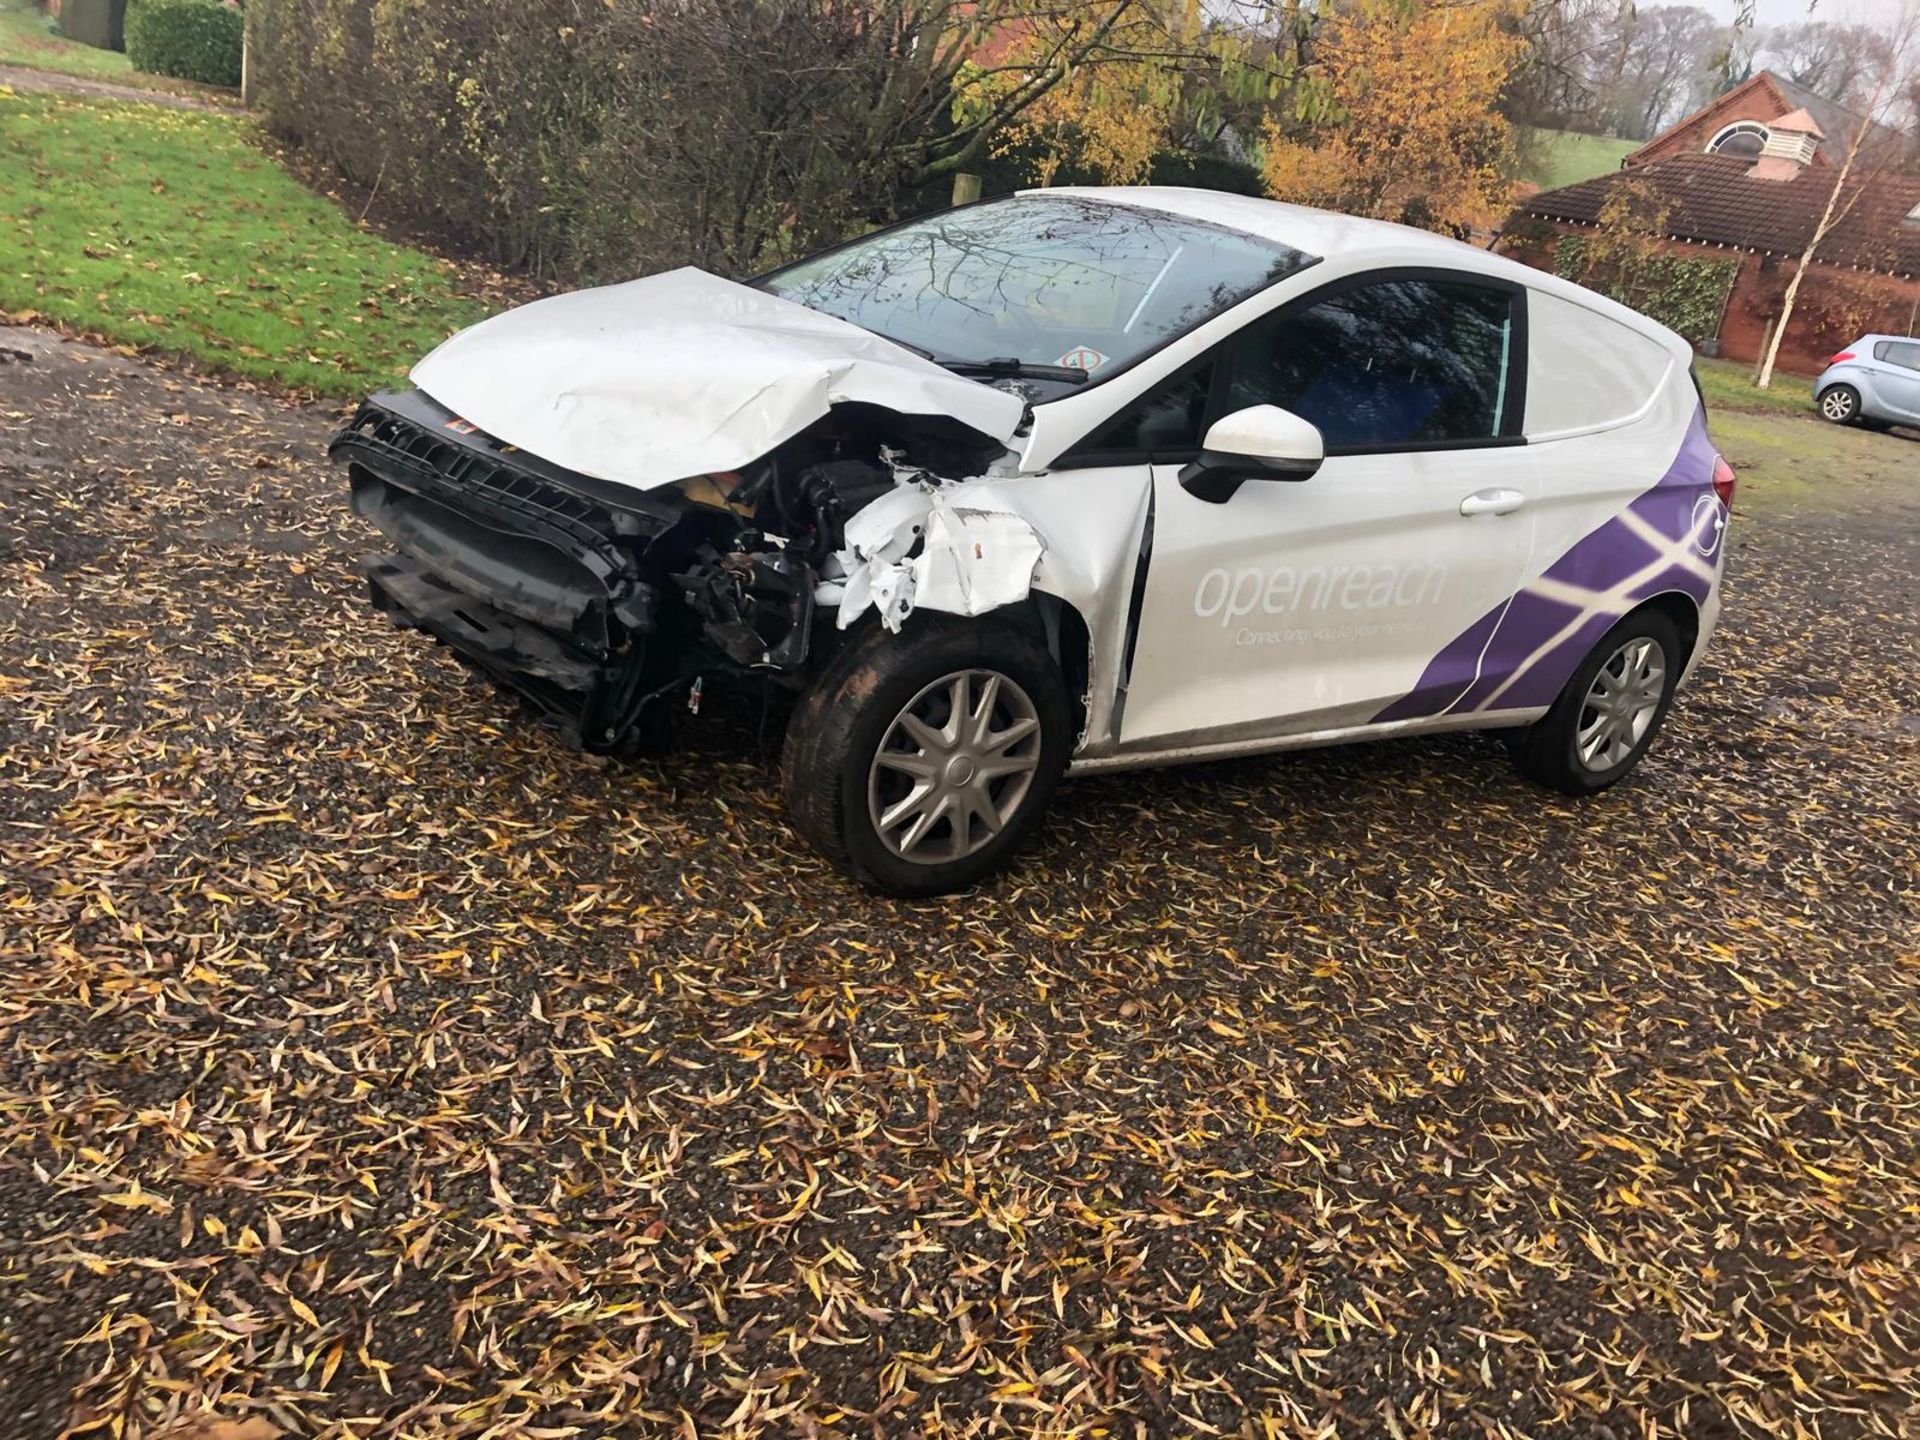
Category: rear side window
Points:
column 1904, row 353
column 1393, row 364
column 1585, row 370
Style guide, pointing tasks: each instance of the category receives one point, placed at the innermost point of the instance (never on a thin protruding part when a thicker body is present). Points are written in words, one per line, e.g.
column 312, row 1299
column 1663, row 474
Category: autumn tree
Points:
column 1409, row 128
column 1107, row 120
column 1626, row 243
column 1170, row 73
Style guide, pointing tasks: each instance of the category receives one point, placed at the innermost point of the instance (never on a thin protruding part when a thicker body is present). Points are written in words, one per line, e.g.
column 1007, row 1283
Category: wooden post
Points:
column 966, row 188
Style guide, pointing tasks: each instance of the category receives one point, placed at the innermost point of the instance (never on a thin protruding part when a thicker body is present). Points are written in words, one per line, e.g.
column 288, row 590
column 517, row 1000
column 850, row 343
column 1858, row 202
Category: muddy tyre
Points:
column 918, row 762
column 1610, row 711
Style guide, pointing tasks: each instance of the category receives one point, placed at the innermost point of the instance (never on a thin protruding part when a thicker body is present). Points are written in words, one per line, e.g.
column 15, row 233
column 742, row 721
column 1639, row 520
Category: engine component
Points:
column 755, row 604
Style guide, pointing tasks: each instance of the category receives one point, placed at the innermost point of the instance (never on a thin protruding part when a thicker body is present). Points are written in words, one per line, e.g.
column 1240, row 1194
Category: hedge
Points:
column 1206, row 172
column 187, row 39
column 1012, row 168
column 582, row 139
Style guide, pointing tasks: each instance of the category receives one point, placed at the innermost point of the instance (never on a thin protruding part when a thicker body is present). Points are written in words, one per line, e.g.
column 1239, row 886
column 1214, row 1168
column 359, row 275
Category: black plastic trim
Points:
column 472, row 475
column 1136, row 605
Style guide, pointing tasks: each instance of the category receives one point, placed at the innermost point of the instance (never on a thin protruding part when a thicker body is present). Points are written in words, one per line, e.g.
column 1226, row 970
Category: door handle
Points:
column 1492, row 502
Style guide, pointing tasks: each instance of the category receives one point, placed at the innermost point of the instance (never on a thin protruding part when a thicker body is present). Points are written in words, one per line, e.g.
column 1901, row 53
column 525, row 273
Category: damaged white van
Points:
column 1073, row 480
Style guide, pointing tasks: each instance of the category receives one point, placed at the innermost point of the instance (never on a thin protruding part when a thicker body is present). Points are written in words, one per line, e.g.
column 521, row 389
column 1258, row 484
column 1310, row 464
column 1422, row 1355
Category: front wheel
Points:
column 919, row 761
column 1610, row 710
column 1840, row 404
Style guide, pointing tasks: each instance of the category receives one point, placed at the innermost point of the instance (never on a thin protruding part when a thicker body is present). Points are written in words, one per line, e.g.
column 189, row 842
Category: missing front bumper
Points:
column 600, row 705
column 532, row 580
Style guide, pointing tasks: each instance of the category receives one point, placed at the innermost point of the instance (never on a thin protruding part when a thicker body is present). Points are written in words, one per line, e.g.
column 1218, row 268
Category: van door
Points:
column 1357, row 595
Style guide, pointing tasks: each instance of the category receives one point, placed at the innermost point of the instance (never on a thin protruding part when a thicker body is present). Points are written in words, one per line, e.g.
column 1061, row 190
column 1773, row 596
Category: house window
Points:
column 1743, row 138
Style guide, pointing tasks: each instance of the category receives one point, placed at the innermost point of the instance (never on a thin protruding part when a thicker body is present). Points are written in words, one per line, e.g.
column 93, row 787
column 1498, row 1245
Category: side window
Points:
column 1166, row 419
column 1905, row 354
column 1400, row 362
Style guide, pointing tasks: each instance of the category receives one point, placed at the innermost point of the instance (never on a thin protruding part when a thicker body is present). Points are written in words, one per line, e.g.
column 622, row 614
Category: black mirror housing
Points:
column 1216, row 477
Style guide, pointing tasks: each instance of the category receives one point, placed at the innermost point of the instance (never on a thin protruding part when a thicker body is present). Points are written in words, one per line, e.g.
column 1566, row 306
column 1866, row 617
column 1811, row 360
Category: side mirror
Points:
column 1261, row 442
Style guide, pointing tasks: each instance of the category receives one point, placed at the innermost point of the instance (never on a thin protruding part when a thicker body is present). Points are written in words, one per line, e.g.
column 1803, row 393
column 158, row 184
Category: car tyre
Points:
column 895, row 693
column 1840, row 404
column 1640, row 660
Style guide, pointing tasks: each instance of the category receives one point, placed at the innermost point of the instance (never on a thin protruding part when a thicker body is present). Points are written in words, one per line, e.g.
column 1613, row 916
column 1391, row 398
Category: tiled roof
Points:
column 1712, row 198
column 1835, row 120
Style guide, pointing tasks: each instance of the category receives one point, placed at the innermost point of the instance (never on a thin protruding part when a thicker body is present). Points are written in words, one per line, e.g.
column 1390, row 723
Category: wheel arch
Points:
column 1849, row 383
column 1069, row 641
column 1057, row 622
column 1682, row 610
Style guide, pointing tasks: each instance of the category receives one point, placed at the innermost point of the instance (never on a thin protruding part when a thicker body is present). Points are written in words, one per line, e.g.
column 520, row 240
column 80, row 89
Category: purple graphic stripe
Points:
column 1525, row 665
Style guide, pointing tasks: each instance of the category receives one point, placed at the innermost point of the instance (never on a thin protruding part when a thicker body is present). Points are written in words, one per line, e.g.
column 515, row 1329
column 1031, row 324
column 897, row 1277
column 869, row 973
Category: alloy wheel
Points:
column 1837, row 406
column 1621, row 703
column 954, row 767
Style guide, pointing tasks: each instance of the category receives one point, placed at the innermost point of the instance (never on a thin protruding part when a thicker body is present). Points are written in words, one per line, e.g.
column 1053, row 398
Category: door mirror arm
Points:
column 1215, row 477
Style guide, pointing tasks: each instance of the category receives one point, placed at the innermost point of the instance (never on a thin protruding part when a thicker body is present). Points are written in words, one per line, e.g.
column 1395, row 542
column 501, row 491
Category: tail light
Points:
column 1723, row 480
column 1843, row 355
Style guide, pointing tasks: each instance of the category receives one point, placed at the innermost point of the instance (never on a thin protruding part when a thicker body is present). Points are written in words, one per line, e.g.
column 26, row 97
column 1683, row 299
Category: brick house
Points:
column 1733, row 185
column 1739, row 122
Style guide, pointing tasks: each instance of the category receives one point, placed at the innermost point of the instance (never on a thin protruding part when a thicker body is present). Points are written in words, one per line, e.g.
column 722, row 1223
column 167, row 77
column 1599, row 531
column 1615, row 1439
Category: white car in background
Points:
column 1075, row 480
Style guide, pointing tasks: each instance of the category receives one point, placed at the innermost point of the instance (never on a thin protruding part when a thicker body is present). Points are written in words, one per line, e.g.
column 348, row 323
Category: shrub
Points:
column 599, row 139
column 187, row 39
column 591, row 141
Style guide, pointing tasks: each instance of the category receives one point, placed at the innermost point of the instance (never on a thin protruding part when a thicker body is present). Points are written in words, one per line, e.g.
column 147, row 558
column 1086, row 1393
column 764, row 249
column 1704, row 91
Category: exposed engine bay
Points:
column 599, row 599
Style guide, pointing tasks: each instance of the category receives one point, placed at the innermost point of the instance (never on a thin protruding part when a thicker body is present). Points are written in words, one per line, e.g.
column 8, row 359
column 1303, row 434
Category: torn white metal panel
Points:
column 682, row 373
column 1093, row 521
column 957, row 549
column 1075, row 535
column 974, row 560
column 886, row 529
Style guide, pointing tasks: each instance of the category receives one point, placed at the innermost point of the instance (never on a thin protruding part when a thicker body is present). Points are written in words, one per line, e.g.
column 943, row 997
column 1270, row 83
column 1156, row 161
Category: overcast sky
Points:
column 1787, row 12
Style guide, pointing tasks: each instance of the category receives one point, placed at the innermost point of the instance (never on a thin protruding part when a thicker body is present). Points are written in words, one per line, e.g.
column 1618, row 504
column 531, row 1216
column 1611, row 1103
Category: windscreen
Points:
column 1041, row 279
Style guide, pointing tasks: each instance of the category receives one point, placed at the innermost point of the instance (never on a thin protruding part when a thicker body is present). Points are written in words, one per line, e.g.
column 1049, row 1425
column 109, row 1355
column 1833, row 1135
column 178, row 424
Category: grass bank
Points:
column 28, row 37
column 168, row 229
column 1728, row 385
column 1552, row 158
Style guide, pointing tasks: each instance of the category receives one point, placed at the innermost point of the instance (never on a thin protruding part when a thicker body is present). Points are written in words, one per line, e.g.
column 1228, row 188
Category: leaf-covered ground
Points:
column 370, row 1065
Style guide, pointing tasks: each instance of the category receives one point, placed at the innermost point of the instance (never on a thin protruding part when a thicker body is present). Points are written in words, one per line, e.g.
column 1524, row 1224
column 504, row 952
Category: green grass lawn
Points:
column 1728, row 385
column 168, row 229
column 28, row 37
column 1560, row 157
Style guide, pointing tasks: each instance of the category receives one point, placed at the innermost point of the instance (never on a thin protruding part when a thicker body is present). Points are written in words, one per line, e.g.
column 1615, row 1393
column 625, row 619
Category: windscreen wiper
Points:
column 1018, row 369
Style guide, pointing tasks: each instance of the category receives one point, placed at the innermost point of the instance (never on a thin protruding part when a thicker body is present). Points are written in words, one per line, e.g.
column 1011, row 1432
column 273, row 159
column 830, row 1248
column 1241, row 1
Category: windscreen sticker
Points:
column 1082, row 357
